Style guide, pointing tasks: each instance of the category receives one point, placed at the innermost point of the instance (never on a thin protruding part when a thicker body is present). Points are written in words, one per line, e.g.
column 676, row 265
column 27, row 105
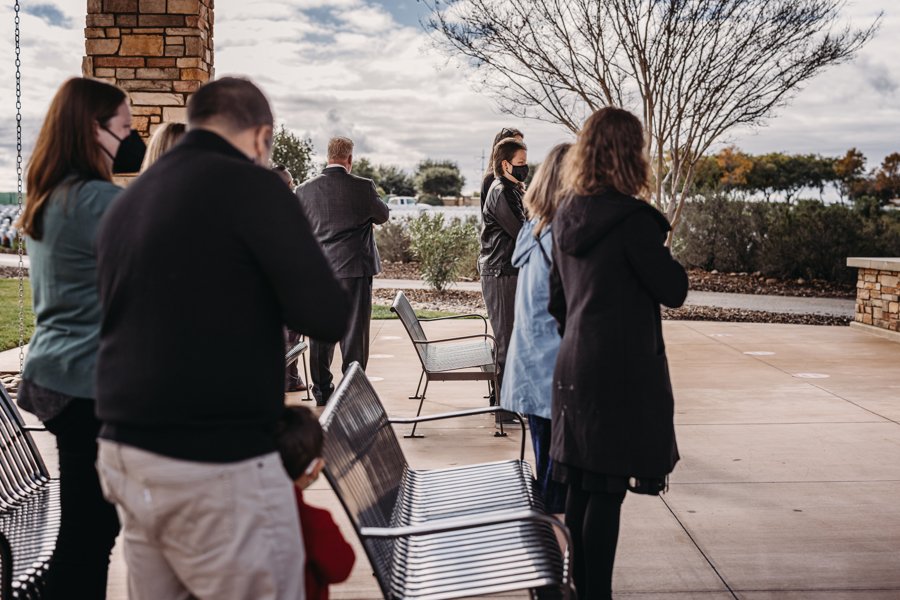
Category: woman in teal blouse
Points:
column 70, row 186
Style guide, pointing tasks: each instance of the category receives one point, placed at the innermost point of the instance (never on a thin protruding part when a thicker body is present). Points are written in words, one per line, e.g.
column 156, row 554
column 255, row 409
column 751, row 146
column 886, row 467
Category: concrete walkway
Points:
column 788, row 485
column 777, row 304
column 12, row 260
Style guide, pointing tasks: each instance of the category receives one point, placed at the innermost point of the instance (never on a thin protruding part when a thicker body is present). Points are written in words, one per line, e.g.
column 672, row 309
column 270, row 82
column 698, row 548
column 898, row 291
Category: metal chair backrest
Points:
column 21, row 468
column 364, row 464
column 407, row 315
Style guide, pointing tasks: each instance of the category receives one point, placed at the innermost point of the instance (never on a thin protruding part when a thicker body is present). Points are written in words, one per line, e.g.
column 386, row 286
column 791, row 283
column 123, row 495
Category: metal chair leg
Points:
column 498, row 418
column 421, row 399
column 416, row 395
column 306, row 377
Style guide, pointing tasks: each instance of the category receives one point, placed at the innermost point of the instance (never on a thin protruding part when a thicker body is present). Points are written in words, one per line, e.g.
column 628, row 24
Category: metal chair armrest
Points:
column 494, row 518
column 486, row 336
column 468, row 316
column 461, row 413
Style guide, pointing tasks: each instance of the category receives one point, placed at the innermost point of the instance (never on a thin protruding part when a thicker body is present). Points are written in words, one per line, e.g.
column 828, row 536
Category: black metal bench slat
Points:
column 29, row 510
column 475, row 530
column 468, row 358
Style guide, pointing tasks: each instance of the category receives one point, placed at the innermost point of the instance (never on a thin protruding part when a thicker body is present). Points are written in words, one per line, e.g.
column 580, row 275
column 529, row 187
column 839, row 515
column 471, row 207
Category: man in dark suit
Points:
column 342, row 209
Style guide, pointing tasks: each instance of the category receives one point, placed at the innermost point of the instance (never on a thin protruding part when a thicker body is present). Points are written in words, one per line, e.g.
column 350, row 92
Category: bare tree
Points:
column 693, row 69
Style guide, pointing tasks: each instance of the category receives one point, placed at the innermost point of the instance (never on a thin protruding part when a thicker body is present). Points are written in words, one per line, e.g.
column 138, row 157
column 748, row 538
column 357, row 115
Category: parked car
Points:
column 409, row 202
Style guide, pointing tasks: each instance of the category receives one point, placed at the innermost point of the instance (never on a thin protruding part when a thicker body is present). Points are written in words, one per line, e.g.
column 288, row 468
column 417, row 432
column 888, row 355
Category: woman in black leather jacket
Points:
column 502, row 216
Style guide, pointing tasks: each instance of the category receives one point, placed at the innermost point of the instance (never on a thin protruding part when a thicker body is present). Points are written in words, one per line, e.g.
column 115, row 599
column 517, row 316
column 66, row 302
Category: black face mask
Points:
column 130, row 155
column 520, row 172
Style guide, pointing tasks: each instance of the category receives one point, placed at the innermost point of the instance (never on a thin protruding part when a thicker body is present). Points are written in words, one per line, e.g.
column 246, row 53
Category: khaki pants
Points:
column 205, row 530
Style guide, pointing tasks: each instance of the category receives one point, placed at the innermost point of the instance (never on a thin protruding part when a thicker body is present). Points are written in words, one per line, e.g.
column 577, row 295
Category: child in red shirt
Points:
column 329, row 558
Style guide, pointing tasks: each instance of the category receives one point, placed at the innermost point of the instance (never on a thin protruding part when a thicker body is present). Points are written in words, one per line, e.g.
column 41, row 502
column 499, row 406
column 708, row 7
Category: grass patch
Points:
column 381, row 312
column 9, row 313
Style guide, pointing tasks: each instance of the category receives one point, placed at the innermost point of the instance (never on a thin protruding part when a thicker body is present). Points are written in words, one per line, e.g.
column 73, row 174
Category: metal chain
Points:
column 19, row 196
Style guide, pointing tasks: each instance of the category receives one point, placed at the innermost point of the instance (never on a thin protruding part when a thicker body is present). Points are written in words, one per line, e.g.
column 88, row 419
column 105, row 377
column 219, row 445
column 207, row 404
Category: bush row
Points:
column 806, row 239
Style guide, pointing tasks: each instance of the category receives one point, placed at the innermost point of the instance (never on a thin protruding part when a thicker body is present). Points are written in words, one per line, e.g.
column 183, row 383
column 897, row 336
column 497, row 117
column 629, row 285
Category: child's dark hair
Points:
column 298, row 437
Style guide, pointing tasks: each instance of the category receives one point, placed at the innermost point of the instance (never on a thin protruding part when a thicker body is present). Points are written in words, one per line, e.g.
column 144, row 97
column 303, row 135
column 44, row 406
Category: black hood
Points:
column 585, row 220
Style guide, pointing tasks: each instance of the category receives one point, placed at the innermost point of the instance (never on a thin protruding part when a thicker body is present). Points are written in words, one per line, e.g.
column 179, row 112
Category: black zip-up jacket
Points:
column 613, row 406
column 201, row 262
column 502, row 218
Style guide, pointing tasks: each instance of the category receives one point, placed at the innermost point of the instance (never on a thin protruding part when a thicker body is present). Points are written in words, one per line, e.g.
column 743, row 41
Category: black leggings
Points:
column 89, row 523
column 593, row 519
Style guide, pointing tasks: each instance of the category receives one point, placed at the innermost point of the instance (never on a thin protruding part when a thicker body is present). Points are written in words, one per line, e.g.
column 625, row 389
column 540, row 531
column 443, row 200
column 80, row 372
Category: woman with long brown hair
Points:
column 535, row 342
column 69, row 188
column 612, row 399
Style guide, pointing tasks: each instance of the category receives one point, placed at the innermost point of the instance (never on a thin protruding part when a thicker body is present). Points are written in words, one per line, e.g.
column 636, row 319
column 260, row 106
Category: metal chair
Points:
column 29, row 508
column 441, row 533
column 465, row 358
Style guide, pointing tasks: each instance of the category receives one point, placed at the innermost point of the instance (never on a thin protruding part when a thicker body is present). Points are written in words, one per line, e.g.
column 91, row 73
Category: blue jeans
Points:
column 553, row 492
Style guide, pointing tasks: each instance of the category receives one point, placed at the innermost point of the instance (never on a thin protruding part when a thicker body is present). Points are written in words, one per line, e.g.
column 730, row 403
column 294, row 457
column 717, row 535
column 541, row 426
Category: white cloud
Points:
column 349, row 67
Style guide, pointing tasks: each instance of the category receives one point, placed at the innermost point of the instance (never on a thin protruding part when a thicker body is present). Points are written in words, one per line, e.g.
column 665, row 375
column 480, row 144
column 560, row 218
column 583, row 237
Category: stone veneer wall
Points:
column 159, row 51
column 878, row 292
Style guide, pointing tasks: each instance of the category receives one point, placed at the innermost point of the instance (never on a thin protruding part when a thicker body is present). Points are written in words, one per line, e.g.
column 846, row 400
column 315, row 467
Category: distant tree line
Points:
column 784, row 176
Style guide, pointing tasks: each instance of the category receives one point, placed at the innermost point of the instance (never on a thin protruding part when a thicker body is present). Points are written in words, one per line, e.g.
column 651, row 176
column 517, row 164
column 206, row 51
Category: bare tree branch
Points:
column 693, row 69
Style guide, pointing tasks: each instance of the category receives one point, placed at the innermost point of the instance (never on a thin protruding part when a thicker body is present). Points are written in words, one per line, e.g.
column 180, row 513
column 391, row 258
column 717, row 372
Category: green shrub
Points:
column 444, row 250
column 392, row 240
column 807, row 239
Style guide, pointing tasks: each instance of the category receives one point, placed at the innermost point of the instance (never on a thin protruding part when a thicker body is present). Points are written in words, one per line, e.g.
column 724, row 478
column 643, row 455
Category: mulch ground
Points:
column 472, row 302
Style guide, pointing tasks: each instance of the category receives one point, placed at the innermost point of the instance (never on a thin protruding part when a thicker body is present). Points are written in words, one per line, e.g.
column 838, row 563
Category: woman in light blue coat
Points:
column 531, row 357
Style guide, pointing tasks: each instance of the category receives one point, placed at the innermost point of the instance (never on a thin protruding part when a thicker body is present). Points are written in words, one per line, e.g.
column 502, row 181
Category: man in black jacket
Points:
column 201, row 263
column 342, row 209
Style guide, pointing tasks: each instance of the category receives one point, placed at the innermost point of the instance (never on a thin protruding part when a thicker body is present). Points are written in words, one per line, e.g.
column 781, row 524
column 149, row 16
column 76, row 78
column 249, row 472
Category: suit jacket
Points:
column 341, row 208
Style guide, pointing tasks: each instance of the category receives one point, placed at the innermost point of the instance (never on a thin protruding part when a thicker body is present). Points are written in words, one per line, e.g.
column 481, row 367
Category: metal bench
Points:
column 29, row 508
column 441, row 533
column 296, row 354
column 464, row 358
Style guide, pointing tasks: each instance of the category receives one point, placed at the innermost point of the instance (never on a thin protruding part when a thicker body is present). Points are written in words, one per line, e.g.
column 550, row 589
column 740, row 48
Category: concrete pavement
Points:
column 790, row 471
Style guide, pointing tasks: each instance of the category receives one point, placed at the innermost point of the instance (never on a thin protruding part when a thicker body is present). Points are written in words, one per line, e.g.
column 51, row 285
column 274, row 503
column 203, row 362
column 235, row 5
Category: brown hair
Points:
column 608, row 155
column 299, row 439
column 543, row 196
column 67, row 144
column 340, row 148
column 166, row 136
column 506, row 132
column 234, row 102
column 505, row 150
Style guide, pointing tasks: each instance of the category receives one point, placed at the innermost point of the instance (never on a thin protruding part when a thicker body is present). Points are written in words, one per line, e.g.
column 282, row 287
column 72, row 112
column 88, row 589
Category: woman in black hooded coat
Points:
column 612, row 398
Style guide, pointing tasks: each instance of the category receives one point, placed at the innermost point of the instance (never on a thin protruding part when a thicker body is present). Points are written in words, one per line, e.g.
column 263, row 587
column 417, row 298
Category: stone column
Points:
column 159, row 51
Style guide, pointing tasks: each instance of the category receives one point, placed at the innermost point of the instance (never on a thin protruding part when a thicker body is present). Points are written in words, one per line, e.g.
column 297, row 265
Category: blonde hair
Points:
column 166, row 136
column 608, row 155
column 340, row 148
column 542, row 198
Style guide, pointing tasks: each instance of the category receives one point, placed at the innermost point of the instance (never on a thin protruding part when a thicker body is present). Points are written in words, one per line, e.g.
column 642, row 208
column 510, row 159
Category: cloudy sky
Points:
column 366, row 69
